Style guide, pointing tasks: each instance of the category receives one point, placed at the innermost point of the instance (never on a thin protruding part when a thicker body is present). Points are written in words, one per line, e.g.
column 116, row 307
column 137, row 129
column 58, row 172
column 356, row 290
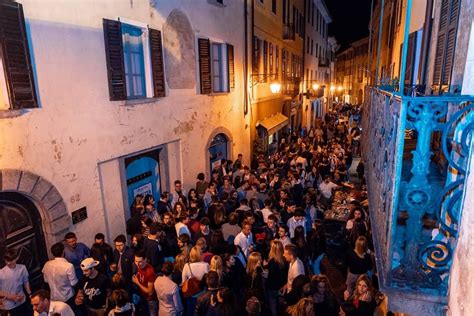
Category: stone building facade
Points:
column 75, row 153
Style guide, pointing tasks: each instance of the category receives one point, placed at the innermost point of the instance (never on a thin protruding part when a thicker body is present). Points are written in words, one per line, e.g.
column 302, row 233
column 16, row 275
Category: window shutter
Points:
column 114, row 56
column 230, row 64
column 205, row 65
column 445, row 47
column 16, row 56
column 157, row 67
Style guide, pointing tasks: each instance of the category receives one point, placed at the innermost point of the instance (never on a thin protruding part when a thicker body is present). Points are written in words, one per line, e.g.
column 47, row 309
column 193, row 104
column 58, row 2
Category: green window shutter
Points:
column 16, row 56
column 157, row 67
column 204, row 48
column 114, row 57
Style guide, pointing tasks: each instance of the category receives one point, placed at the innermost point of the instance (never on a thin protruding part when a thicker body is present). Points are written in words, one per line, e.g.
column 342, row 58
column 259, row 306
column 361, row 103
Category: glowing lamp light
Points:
column 315, row 86
column 332, row 88
column 275, row 87
column 339, row 88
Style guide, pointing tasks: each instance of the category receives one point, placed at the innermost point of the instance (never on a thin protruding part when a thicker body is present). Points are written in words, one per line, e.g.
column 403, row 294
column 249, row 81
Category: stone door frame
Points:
column 55, row 217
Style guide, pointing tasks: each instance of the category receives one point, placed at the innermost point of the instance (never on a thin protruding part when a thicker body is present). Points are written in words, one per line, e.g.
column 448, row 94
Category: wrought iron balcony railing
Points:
column 323, row 62
column 289, row 32
column 291, row 86
column 416, row 151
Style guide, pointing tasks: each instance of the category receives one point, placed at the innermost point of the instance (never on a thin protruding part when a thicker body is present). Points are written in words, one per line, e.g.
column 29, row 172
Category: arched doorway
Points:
column 21, row 229
column 218, row 150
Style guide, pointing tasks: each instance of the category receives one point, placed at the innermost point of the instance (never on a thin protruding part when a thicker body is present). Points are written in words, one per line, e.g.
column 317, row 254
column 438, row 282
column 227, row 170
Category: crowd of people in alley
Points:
column 252, row 239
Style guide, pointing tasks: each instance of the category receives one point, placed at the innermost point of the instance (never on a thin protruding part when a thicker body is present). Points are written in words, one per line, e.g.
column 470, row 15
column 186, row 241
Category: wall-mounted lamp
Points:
column 339, row 88
column 333, row 88
column 315, row 86
column 275, row 86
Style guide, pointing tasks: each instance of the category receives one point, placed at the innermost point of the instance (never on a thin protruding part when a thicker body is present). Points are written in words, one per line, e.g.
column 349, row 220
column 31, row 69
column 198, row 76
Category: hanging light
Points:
column 339, row 88
column 315, row 86
column 275, row 87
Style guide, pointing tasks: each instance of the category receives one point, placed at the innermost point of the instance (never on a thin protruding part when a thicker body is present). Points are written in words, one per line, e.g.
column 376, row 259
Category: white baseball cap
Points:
column 89, row 263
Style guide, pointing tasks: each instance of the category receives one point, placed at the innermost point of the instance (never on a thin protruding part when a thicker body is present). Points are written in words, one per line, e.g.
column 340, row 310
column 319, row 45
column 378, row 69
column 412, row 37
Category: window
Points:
column 312, row 47
column 256, row 55
column 216, row 66
column 312, row 13
column 317, row 20
column 134, row 61
column 271, row 57
column 274, row 6
column 134, row 57
column 265, row 60
column 277, row 62
column 261, row 1
column 285, row 12
column 307, row 44
column 17, row 86
column 283, row 64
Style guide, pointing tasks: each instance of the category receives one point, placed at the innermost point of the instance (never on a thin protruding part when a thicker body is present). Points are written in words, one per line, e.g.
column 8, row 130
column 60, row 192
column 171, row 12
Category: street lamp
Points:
column 339, row 88
column 275, row 86
column 315, row 86
column 333, row 88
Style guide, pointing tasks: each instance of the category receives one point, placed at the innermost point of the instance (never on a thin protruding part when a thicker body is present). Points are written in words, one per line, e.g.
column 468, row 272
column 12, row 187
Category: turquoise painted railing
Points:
column 416, row 151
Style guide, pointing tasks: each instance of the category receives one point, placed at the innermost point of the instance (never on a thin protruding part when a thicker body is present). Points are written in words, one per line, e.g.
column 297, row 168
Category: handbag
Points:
column 191, row 286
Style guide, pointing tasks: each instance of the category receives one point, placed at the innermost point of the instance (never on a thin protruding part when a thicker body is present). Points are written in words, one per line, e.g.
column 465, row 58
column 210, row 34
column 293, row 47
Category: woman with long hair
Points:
column 195, row 267
column 316, row 246
column 277, row 275
column 179, row 208
column 218, row 245
column 253, row 280
column 299, row 241
column 325, row 301
column 304, row 307
column 358, row 262
column 137, row 206
column 362, row 301
column 179, row 262
column 217, row 266
column 137, row 242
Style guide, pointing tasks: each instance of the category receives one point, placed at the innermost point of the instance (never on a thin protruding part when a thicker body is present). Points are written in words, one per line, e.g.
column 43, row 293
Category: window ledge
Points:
column 216, row 94
column 7, row 114
column 138, row 101
column 217, row 4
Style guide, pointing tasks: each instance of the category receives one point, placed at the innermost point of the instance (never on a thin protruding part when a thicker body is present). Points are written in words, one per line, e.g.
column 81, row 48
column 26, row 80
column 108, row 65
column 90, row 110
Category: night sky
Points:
column 350, row 20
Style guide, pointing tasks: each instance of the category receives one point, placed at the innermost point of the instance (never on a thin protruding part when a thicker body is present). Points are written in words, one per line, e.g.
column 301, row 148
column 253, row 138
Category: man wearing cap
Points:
column 93, row 289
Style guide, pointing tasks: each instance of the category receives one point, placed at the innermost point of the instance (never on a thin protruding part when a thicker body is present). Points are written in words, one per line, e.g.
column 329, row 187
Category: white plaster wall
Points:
column 77, row 127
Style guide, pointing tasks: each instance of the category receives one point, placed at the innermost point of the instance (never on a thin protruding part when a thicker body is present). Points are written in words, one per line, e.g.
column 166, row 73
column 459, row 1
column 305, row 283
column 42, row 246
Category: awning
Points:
column 274, row 123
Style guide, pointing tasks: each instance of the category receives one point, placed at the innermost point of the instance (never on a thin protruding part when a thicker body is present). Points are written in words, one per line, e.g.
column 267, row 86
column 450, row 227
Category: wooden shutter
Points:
column 157, row 67
column 114, row 56
column 230, row 64
column 446, row 44
column 16, row 56
column 204, row 47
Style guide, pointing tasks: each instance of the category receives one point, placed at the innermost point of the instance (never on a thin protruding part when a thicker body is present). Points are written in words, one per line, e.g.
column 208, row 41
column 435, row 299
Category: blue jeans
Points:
column 272, row 301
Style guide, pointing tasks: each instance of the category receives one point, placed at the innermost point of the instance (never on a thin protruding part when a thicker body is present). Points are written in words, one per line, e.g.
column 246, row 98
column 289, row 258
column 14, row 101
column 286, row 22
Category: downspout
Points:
column 405, row 47
column 246, row 62
column 379, row 40
column 370, row 41
column 425, row 46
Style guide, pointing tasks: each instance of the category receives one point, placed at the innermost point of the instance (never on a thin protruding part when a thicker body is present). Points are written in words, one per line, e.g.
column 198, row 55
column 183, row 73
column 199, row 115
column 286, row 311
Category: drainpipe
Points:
column 370, row 39
column 405, row 47
column 379, row 40
column 246, row 85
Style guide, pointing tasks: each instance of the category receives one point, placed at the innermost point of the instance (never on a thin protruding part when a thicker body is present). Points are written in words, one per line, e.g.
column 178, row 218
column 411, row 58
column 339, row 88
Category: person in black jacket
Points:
column 204, row 300
column 153, row 249
column 102, row 252
column 123, row 261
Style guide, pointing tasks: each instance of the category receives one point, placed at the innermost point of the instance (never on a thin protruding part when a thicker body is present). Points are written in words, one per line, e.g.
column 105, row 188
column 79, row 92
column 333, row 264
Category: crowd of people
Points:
column 251, row 240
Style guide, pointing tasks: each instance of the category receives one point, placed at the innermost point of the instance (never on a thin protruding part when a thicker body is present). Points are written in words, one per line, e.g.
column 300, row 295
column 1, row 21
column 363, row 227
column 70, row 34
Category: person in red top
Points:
column 144, row 280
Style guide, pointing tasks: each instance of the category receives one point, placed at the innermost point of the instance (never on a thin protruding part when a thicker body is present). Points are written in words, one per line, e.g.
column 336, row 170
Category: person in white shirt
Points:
column 60, row 276
column 245, row 239
column 267, row 210
column 181, row 226
column 167, row 293
column 326, row 187
column 295, row 268
column 178, row 192
column 195, row 268
column 42, row 305
column 13, row 284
